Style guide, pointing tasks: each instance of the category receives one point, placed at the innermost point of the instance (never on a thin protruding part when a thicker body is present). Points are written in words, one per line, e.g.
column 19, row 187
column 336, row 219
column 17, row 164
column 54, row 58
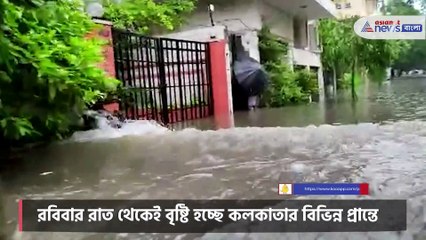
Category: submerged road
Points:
column 380, row 140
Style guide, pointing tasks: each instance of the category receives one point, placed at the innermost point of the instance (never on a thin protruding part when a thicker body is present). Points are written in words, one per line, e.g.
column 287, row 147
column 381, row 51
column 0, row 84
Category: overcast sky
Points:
column 417, row 5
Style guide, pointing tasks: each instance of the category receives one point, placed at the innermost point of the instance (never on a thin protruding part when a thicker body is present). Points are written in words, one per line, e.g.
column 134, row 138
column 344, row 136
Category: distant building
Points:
column 362, row 8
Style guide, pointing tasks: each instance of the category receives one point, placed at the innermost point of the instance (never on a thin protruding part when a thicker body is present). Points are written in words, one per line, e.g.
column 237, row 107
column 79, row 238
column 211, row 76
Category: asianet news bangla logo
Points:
column 383, row 26
column 391, row 27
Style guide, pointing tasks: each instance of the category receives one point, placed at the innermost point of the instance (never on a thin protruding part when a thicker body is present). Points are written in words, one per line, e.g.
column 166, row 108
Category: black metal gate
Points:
column 166, row 80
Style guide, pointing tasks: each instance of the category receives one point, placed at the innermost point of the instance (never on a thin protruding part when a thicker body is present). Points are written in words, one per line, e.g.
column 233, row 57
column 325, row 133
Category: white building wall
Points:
column 204, row 34
column 245, row 18
column 280, row 23
column 250, row 41
column 238, row 16
column 306, row 58
column 355, row 7
column 207, row 34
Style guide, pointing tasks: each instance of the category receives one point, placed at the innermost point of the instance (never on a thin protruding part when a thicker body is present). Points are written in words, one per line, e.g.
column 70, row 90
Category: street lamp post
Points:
column 211, row 10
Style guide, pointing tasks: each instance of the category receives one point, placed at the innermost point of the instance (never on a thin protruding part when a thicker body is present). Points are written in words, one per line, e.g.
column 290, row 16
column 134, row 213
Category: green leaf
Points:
column 48, row 68
column 4, row 77
column 3, row 123
column 52, row 92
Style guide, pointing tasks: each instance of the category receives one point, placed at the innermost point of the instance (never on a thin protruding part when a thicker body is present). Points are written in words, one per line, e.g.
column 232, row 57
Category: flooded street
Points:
column 380, row 140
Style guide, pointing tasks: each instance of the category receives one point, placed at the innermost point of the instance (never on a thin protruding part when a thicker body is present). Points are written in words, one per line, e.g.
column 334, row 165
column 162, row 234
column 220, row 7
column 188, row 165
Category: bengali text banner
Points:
column 199, row 216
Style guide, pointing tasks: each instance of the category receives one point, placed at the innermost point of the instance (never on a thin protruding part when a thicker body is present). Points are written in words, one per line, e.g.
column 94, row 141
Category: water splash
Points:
column 105, row 131
column 107, row 126
column 239, row 163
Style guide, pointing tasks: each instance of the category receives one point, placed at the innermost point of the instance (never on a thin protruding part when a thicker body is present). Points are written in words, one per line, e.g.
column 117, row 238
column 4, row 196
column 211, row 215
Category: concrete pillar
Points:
column 334, row 83
column 105, row 32
column 321, row 89
column 250, row 42
column 290, row 55
column 221, row 85
column 320, row 81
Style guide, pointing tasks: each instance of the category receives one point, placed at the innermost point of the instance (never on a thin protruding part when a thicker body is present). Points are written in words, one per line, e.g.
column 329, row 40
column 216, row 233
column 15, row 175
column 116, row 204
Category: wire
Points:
column 239, row 20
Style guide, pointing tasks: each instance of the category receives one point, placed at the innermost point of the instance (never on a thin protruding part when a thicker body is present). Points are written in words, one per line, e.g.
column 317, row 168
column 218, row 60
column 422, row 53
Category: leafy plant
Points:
column 271, row 48
column 344, row 82
column 286, row 86
column 346, row 52
column 335, row 43
column 146, row 16
column 413, row 54
column 283, row 88
column 48, row 69
column 307, row 81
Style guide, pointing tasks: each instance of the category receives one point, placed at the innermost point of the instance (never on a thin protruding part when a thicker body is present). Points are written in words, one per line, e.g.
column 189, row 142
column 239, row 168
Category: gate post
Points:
column 162, row 80
column 221, row 84
column 105, row 33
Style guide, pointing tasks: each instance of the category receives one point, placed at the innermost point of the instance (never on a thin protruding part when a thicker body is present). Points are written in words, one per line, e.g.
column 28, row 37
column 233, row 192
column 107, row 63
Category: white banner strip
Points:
column 391, row 27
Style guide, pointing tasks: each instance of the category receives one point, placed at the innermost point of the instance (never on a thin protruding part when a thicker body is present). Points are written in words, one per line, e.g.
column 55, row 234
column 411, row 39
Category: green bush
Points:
column 307, row 81
column 345, row 81
column 283, row 87
column 48, row 69
column 286, row 86
column 271, row 48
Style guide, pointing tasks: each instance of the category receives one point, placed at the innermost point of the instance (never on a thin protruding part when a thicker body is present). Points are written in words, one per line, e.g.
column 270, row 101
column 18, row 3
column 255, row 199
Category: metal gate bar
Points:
column 164, row 79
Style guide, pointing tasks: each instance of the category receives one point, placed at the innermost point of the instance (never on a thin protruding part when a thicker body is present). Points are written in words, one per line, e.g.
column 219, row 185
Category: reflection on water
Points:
column 247, row 162
column 399, row 100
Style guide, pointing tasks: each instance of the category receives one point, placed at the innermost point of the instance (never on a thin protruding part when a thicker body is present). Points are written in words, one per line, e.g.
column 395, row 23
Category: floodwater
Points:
column 380, row 140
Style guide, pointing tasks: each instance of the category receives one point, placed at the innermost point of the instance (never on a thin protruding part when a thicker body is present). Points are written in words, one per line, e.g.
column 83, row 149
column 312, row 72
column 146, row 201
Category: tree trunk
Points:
column 354, row 97
column 334, row 82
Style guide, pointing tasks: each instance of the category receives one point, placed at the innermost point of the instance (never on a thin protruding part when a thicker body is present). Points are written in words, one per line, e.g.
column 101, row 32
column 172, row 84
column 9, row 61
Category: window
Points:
column 348, row 5
column 338, row 6
column 317, row 38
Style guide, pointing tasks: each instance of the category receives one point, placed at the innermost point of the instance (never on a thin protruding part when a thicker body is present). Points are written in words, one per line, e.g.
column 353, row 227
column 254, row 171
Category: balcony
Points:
column 306, row 48
column 305, row 57
column 311, row 9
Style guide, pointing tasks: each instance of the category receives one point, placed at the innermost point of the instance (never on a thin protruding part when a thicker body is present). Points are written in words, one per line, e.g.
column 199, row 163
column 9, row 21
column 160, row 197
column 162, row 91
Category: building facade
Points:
column 362, row 8
column 292, row 21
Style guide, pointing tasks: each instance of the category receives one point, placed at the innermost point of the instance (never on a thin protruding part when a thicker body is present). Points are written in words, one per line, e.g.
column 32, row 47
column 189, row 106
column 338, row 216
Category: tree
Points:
column 422, row 4
column 147, row 16
column 286, row 86
column 346, row 52
column 335, row 41
column 48, row 69
column 414, row 58
column 414, row 53
column 410, row 3
column 401, row 7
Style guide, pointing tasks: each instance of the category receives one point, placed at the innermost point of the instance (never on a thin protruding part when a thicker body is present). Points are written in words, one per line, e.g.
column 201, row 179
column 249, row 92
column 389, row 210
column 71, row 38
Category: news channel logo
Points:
column 391, row 27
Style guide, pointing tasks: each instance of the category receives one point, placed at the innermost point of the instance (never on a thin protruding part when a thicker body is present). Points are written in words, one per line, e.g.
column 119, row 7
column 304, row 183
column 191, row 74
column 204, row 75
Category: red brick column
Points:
column 105, row 32
column 221, row 85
